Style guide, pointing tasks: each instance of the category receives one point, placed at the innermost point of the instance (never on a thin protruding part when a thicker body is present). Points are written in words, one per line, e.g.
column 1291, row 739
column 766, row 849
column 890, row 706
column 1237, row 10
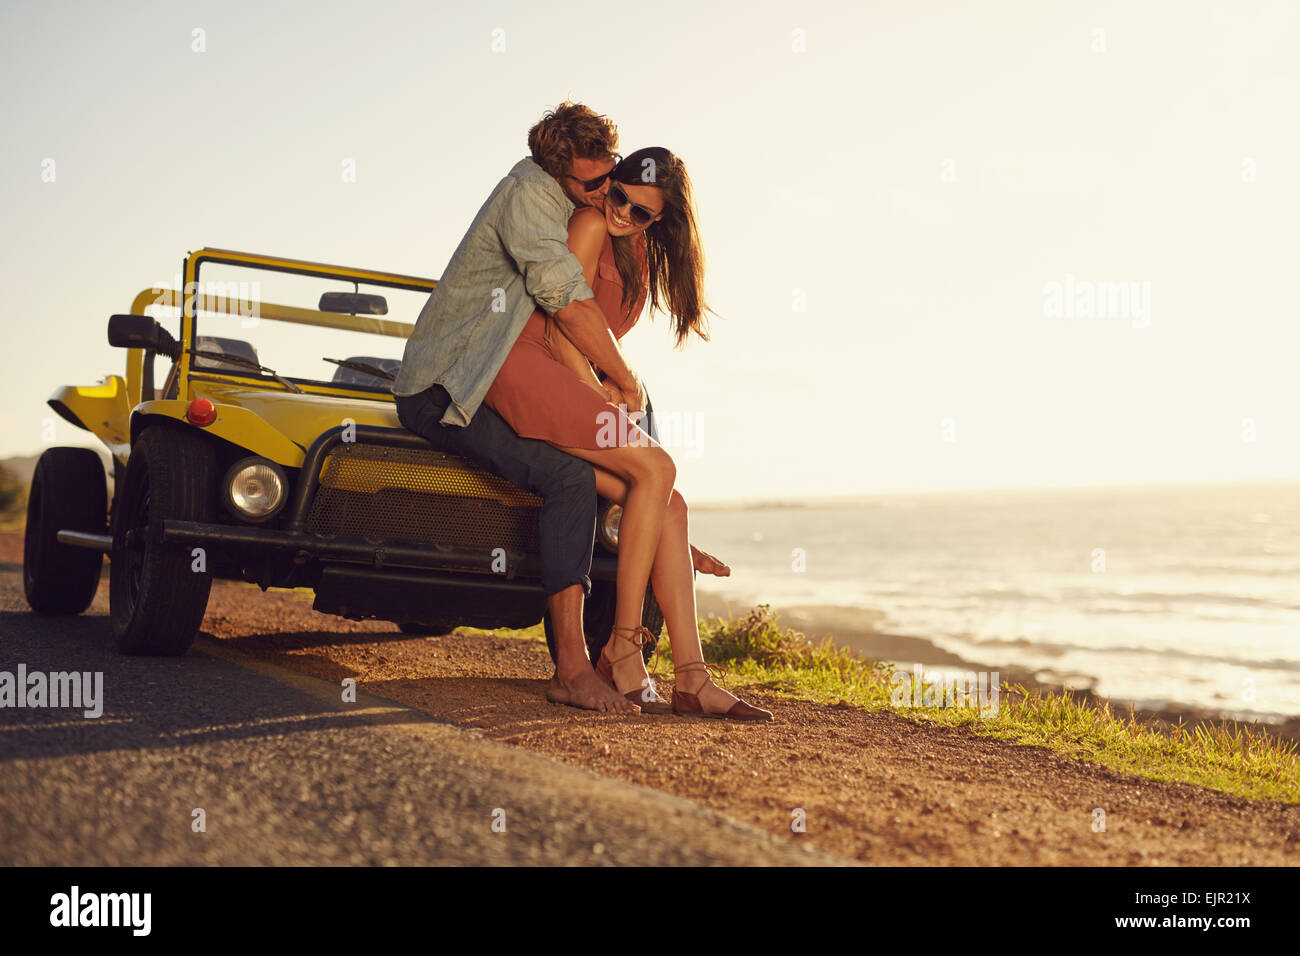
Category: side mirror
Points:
column 353, row 303
column 142, row 332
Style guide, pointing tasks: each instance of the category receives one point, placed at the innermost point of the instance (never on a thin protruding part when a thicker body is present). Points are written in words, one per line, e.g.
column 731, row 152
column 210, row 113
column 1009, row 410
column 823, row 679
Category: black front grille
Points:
column 422, row 496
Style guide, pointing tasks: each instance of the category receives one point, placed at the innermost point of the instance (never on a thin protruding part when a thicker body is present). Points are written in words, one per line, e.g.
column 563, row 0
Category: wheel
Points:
column 156, row 598
column 598, row 620
column 69, row 492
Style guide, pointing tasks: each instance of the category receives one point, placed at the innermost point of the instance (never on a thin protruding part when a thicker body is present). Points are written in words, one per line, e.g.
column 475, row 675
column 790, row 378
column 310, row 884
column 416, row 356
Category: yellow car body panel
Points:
column 253, row 415
column 103, row 409
column 276, row 425
column 237, row 425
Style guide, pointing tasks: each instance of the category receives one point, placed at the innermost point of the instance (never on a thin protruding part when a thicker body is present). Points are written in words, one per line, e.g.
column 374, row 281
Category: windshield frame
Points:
column 194, row 301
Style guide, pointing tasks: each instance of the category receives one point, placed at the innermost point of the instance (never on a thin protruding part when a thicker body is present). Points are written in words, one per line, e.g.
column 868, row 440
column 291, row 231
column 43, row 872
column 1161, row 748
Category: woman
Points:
column 643, row 244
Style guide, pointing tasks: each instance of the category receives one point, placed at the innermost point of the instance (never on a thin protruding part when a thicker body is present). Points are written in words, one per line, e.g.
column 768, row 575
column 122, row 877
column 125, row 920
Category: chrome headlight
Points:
column 254, row 489
column 608, row 520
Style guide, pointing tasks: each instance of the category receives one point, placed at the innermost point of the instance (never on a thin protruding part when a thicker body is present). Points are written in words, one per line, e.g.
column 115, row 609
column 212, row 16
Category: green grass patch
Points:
column 534, row 635
column 756, row 652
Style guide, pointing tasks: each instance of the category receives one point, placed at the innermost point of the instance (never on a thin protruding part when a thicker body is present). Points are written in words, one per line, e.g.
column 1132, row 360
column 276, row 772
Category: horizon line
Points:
column 843, row 499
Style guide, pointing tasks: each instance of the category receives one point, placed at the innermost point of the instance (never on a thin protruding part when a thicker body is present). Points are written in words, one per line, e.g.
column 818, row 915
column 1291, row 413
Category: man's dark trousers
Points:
column 566, row 485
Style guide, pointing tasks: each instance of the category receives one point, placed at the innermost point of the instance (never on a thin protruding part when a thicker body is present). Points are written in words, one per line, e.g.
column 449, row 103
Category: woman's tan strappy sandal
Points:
column 647, row 698
column 686, row 704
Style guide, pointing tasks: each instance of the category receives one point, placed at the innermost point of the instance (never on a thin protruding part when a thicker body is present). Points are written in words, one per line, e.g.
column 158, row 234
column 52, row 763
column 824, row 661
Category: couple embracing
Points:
column 501, row 368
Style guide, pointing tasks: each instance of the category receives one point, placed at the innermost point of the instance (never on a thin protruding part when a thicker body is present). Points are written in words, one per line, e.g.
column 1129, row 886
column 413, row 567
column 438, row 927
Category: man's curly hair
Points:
column 570, row 131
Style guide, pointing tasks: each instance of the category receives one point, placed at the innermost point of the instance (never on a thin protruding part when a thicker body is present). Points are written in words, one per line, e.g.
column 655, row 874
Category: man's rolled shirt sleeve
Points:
column 533, row 230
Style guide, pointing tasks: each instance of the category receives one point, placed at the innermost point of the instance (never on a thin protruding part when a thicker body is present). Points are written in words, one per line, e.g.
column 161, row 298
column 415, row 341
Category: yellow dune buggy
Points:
column 271, row 452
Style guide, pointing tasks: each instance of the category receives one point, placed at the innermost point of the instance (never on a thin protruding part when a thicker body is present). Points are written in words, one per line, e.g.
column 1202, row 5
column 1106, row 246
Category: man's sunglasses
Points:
column 640, row 215
column 592, row 184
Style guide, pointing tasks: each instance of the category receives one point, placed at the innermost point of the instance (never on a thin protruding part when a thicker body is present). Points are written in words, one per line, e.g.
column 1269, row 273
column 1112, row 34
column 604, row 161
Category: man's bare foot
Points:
column 589, row 691
column 703, row 561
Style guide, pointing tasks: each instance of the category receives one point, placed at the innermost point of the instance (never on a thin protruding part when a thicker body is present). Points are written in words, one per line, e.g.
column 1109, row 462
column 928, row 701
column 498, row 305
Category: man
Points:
column 514, row 258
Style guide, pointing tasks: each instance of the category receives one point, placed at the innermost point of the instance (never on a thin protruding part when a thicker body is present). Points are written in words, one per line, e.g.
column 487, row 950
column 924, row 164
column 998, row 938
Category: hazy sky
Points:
column 906, row 209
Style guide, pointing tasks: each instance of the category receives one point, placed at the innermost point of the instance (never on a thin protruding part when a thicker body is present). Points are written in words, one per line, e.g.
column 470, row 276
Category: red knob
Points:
column 201, row 412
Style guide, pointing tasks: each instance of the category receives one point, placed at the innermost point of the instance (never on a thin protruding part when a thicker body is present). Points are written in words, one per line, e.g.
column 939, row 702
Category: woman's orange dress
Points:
column 543, row 398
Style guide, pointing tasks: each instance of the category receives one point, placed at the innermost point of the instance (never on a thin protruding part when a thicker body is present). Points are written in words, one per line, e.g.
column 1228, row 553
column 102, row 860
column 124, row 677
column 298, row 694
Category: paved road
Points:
column 285, row 772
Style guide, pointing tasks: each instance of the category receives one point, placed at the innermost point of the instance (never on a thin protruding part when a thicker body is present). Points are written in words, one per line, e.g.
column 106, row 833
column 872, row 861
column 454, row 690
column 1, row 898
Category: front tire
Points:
column 69, row 492
column 157, row 599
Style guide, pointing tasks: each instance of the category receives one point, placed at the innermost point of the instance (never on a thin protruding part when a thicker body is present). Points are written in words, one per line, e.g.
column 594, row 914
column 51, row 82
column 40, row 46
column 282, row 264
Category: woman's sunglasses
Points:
column 640, row 215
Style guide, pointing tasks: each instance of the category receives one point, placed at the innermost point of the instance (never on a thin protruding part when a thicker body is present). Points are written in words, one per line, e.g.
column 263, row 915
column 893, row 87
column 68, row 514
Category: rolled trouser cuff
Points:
column 553, row 586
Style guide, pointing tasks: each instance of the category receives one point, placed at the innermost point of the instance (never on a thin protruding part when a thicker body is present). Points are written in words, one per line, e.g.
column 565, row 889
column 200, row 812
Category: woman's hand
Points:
column 618, row 398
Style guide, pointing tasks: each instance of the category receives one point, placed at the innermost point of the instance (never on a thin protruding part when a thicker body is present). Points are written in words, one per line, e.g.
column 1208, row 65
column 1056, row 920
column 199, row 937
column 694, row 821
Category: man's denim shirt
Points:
column 514, row 259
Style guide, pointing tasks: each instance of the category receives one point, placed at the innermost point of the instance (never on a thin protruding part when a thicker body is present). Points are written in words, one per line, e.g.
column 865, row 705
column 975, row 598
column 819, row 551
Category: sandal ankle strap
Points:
column 711, row 671
column 640, row 636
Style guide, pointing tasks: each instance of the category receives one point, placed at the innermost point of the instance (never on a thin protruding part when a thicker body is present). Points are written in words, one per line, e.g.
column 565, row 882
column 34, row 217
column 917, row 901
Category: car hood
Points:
column 300, row 417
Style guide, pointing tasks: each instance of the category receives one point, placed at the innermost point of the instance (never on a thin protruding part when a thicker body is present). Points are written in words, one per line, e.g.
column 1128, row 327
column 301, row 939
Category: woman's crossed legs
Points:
column 654, row 547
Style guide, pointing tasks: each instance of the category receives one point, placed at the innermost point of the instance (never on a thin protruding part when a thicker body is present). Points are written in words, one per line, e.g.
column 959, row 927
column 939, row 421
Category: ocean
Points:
column 1176, row 595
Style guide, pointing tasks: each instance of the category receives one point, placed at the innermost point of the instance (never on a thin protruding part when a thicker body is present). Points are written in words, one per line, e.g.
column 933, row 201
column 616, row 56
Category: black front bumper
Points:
column 307, row 547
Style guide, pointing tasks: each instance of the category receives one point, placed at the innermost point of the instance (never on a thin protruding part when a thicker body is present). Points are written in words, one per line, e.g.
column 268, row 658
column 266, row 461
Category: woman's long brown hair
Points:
column 670, row 259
